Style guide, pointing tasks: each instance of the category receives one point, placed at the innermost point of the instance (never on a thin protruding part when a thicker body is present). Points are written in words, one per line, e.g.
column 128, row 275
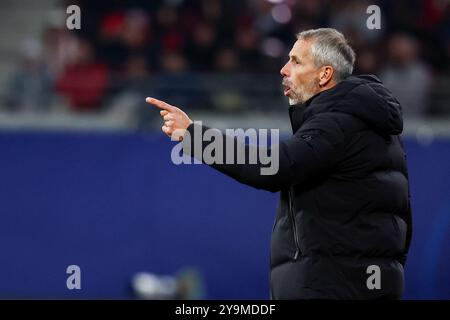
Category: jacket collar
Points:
column 318, row 103
column 363, row 97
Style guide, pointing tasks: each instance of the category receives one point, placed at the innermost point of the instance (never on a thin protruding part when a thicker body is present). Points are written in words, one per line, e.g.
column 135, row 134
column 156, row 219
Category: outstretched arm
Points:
column 309, row 154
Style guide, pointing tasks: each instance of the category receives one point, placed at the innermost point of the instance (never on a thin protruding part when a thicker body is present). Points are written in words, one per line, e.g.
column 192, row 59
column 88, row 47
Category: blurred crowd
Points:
column 185, row 51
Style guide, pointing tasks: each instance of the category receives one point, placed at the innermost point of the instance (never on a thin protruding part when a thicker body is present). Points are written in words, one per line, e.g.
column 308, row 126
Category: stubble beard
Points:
column 301, row 94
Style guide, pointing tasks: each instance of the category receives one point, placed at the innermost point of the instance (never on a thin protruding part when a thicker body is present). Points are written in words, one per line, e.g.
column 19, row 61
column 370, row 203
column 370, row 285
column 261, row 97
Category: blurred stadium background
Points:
column 86, row 174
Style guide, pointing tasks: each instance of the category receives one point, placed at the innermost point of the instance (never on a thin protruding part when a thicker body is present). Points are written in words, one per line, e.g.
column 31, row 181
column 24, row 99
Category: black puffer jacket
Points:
column 344, row 201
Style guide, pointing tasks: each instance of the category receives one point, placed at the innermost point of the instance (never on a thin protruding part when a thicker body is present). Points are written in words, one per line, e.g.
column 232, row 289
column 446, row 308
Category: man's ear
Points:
column 325, row 76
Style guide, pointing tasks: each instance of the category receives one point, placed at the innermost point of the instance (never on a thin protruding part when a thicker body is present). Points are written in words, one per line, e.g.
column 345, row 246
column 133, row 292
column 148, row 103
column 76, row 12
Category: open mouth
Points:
column 286, row 90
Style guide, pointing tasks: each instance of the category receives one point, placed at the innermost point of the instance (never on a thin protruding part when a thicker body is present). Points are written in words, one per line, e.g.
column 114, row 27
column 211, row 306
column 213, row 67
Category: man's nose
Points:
column 284, row 71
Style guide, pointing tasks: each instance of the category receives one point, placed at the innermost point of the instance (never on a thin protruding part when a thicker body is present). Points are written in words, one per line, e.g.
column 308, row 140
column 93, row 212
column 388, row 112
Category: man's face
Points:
column 300, row 75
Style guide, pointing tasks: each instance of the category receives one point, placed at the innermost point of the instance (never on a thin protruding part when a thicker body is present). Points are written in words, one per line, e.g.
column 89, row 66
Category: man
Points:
column 343, row 224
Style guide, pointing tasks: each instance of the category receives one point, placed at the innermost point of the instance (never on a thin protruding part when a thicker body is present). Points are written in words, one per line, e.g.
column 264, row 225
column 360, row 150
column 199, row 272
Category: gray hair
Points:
column 330, row 47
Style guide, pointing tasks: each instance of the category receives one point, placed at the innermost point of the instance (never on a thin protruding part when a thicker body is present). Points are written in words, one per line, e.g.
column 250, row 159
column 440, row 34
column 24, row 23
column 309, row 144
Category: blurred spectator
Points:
column 226, row 60
column 178, row 39
column 263, row 23
column 309, row 14
column 124, row 34
column 169, row 32
column 135, row 83
column 434, row 13
column 212, row 10
column 247, row 47
column 136, row 73
column 84, row 83
column 111, row 48
column 136, row 30
column 174, row 62
column 406, row 75
column 30, row 88
column 59, row 48
column 367, row 62
column 202, row 47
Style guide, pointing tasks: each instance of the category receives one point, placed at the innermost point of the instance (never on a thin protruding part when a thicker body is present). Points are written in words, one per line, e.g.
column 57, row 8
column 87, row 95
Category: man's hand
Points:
column 175, row 120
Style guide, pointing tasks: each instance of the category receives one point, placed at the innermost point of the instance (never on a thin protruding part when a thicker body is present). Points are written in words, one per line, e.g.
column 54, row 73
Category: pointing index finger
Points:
column 160, row 104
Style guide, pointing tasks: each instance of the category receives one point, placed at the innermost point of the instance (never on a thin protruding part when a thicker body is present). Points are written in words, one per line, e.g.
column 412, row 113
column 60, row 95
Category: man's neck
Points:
column 328, row 86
